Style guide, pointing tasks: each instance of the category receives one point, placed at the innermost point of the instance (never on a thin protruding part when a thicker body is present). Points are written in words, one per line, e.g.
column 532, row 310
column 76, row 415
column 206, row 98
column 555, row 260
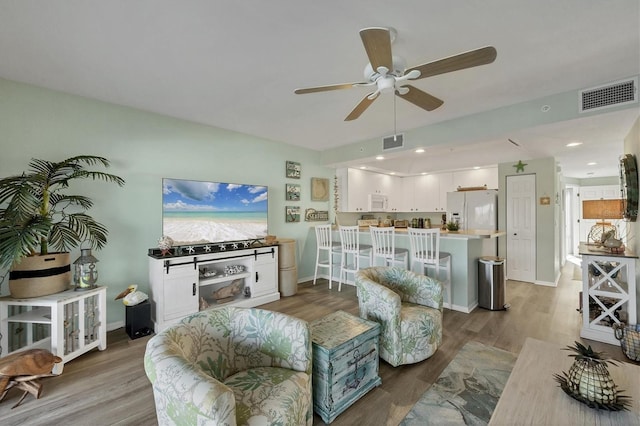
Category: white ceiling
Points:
column 235, row 65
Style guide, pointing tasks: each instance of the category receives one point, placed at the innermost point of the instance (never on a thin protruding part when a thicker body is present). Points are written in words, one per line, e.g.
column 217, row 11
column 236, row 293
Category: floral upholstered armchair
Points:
column 408, row 308
column 232, row 366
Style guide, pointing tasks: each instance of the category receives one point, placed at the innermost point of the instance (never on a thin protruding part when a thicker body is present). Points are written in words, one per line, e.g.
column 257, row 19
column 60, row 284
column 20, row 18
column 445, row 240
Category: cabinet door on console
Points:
column 180, row 291
column 265, row 277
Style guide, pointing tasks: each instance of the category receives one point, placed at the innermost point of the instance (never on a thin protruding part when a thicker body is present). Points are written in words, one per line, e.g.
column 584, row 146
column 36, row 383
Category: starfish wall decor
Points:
column 519, row 166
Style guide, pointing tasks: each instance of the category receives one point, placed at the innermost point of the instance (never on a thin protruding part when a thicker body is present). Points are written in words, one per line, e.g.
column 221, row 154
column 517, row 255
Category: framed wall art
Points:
column 292, row 192
column 292, row 214
column 293, row 169
column 319, row 189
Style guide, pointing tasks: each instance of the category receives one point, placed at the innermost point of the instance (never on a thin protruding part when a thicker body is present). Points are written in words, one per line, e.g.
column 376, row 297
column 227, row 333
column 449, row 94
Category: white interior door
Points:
column 521, row 228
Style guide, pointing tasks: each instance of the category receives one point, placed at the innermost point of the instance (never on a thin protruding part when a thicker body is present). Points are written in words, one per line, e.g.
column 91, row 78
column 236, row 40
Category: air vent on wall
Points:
column 609, row 95
column 392, row 142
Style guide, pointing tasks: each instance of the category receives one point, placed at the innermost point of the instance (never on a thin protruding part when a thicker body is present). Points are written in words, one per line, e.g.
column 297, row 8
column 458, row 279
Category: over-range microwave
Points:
column 378, row 203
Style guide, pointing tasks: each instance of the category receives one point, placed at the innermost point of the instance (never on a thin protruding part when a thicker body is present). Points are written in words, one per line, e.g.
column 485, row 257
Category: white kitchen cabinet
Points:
column 353, row 190
column 356, row 185
column 183, row 285
column 477, row 177
column 427, row 193
column 391, row 186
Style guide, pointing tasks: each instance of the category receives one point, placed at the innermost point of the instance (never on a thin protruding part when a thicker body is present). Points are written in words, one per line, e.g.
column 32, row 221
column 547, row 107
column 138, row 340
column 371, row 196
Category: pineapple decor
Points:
column 589, row 381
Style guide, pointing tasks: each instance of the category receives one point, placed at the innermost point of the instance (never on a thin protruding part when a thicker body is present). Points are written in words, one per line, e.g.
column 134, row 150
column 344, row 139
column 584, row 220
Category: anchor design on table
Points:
column 355, row 382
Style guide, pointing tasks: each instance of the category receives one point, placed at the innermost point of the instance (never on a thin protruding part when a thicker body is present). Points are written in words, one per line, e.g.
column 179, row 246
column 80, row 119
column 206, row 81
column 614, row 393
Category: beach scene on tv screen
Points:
column 198, row 212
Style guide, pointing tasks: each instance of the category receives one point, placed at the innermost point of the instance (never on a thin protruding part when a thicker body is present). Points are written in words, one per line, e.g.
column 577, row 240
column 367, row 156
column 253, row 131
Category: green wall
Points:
column 632, row 146
column 143, row 148
column 547, row 216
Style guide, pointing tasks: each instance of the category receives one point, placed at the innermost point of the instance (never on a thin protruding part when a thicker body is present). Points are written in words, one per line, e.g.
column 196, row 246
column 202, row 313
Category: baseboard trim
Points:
column 547, row 283
column 115, row 325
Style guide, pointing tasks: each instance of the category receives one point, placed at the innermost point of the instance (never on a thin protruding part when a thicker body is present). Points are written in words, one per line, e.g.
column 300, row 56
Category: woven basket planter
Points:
column 36, row 276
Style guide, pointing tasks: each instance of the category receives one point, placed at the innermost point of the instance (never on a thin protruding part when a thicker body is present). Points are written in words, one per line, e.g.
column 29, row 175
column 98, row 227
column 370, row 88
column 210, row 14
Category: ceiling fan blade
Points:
column 420, row 98
column 361, row 107
column 377, row 43
column 327, row 88
column 473, row 58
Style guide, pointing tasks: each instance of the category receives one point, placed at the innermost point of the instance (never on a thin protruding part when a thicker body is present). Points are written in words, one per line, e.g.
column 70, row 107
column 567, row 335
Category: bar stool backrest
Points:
column 425, row 245
column 383, row 241
column 323, row 237
column 350, row 239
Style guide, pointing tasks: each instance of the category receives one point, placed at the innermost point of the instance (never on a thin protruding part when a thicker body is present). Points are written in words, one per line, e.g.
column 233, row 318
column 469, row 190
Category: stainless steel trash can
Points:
column 491, row 283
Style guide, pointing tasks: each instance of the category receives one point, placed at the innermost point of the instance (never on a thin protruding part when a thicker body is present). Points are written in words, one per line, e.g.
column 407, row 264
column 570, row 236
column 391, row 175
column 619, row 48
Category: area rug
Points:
column 468, row 389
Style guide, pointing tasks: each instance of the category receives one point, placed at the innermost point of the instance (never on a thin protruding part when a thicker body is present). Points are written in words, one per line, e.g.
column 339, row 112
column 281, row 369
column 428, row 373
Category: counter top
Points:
column 469, row 234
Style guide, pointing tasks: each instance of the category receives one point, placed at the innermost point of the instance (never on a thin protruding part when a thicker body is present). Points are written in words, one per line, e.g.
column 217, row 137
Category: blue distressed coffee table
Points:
column 345, row 362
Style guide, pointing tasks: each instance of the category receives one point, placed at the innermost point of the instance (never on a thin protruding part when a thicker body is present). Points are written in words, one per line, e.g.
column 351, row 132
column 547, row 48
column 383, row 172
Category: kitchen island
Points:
column 465, row 247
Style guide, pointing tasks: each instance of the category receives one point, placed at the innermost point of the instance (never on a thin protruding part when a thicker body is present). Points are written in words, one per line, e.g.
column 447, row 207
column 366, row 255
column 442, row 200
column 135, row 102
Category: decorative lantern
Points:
column 85, row 271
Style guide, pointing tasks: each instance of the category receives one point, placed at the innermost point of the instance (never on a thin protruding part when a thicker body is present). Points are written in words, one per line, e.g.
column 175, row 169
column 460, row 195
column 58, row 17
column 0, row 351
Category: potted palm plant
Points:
column 40, row 223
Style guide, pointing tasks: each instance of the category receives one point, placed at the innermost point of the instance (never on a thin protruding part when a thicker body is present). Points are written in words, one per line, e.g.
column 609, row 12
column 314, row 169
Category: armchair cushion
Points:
column 232, row 366
column 409, row 309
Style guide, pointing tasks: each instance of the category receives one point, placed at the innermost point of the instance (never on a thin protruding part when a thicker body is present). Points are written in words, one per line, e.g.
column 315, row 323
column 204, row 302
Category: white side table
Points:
column 76, row 323
column 608, row 292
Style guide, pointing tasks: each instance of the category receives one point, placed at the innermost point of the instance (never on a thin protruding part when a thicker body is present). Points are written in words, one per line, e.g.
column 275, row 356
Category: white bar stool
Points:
column 324, row 244
column 425, row 249
column 352, row 251
column 384, row 246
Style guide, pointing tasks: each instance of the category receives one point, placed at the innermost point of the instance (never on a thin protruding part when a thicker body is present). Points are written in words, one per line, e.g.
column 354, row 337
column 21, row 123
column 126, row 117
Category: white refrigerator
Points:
column 474, row 209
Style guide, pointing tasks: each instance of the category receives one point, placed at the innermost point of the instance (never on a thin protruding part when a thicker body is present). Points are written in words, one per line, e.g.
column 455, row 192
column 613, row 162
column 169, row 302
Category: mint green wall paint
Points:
column 477, row 127
column 632, row 146
column 547, row 230
column 143, row 148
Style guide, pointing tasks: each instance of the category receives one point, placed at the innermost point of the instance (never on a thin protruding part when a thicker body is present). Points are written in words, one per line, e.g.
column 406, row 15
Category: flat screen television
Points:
column 199, row 212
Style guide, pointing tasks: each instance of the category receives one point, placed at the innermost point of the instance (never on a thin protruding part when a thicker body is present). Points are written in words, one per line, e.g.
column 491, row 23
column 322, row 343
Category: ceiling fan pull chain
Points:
column 395, row 130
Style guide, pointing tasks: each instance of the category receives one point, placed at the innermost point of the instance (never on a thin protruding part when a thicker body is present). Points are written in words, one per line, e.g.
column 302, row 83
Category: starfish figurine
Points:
column 519, row 166
column 191, row 249
column 235, row 246
column 222, row 247
column 207, row 248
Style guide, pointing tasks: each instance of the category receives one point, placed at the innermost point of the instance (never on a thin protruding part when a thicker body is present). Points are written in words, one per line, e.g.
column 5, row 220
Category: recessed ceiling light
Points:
column 392, row 173
column 420, row 150
column 593, row 163
column 379, row 157
column 363, row 167
column 476, row 168
column 423, row 173
column 572, row 144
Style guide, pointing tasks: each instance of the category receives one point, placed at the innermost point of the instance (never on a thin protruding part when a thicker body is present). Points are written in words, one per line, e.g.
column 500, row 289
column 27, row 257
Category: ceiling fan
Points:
column 388, row 73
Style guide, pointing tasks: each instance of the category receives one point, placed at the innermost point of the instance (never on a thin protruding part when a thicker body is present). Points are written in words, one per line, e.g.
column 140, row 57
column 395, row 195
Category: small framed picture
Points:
column 292, row 214
column 293, row 169
column 319, row 189
column 292, row 192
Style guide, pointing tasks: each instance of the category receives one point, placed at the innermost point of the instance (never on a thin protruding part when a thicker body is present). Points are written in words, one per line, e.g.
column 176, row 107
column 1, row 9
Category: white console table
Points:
column 608, row 292
column 183, row 285
column 72, row 323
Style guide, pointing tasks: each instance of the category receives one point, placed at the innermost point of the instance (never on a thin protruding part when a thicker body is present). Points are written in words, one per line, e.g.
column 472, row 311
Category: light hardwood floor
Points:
column 110, row 387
